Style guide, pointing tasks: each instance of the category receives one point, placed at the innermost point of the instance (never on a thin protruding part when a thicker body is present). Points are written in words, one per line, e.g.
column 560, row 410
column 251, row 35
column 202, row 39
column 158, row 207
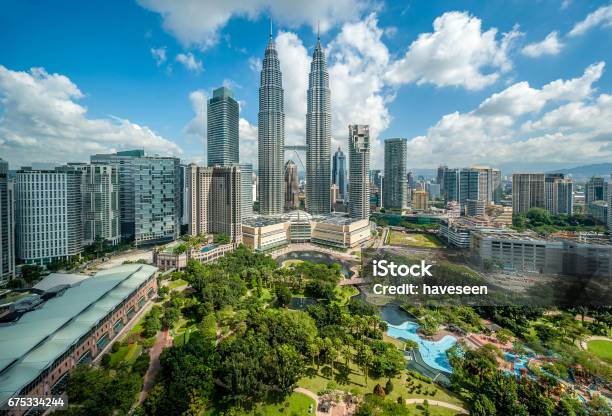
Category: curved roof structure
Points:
column 34, row 342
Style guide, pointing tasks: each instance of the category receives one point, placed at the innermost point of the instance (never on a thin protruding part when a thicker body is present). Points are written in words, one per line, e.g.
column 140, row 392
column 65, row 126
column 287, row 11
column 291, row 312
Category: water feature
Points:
column 401, row 326
column 316, row 257
column 301, row 303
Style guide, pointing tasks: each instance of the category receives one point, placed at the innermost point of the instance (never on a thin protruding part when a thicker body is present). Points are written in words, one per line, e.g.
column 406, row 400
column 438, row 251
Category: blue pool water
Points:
column 433, row 352
column 208, row 247
column 519, row 362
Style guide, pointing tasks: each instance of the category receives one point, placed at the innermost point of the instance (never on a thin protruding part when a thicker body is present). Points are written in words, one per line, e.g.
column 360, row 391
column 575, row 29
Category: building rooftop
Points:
column 263, row 220
column 59, row 279
column 34, row 342
column 298, row 216
column 336, row 220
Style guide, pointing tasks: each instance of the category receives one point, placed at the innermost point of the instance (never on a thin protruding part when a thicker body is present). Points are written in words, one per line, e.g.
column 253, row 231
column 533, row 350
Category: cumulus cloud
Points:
column 197, row 125
column 43, row 122
column 198, row 22
column 457, row 53
column 255, row 64
column 549, row 46
column 600, row 17
column 159, row 54
column 508, row 126
column 190, row 62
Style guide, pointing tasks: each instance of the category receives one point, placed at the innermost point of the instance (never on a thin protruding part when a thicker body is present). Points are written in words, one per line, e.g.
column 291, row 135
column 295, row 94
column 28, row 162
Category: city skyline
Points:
column 505, row 110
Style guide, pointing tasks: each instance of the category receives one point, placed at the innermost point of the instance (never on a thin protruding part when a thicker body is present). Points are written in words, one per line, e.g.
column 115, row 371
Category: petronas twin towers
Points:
column 271, row 135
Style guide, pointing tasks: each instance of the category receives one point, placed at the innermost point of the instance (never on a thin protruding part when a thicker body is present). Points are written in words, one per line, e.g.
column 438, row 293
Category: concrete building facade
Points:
column 395, row 181
column 359, row 168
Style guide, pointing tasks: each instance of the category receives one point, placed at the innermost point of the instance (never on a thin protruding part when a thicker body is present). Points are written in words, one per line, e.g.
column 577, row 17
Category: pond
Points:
column 402, row 326
column 318, row 258
column 301, row 303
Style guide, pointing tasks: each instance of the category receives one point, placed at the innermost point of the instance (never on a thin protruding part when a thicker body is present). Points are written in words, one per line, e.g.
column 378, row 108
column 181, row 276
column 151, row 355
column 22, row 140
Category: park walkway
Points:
column 583, row 342
column 446, row 405
column 162, row 341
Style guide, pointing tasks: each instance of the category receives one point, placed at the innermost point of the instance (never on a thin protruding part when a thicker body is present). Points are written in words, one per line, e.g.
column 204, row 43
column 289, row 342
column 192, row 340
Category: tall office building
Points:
column 246, row 190
column 451, row 188
column 596, row 189
column 271, row 134
column 376, row 187
column 48, row 214
column 339, row 173
column 440, row 175
column 527, row 192
column 124, row 162
column 609, row 199
column 565, row 197
column 395, row 182
column 359, row 168
column 292, row 188
column 7, row 225
column 420, row 200
column 550, row 191
column 215, row 201
column 100, row 193
column 222, row 130
column 318, row 135
column 156, row 199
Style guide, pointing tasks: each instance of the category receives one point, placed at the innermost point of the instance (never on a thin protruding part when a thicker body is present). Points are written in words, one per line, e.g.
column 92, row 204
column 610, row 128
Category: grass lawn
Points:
column 291, row 262
column 601, row 348
column 417, row 409
column 355, row 383
column 413, row 239
column 176, row 283
column 344, row 294
column 127, row 353
column 296, row 404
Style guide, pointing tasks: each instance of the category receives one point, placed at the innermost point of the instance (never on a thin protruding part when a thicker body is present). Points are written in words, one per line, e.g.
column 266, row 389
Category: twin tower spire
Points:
column 271, row 134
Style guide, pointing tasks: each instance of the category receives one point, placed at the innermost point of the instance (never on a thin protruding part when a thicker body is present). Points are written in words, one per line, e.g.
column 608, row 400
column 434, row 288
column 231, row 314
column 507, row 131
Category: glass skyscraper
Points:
column 271, row 134
column 318, row 136
column 339, row 173
column 222, row 129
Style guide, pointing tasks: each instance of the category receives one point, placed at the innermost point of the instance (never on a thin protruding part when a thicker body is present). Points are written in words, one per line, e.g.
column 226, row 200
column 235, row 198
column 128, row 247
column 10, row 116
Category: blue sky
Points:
column 516, row 84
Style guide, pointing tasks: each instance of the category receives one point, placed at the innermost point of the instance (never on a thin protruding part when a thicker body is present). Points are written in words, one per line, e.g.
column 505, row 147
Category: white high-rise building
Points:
column 48, row 214
column 7, row 225
column 215, row 201
column 318, row 135
column 359, row 168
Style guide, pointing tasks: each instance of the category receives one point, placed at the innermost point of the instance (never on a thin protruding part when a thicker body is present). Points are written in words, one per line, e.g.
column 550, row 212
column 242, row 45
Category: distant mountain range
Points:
column 586, row 171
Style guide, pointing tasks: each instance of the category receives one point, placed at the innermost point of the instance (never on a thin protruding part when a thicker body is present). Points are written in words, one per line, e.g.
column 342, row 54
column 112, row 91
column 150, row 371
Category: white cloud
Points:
column 549, row 46
column 190, row 62
column 456, row 53
column 601, row 16
column 506, row 127
column 248, row 142
column 159, row 54
column 197, row 125
column 42, row 122
column 198, row 22
column 255, row 64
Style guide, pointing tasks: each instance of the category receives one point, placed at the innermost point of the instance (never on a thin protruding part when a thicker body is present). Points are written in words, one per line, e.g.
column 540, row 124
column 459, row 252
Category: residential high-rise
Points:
column 527, row 192
column 156, row 199
column 395, row 182
column 440, row 176
column 246, row 190
column 124, row 162
column 48, row 214
column 609, row 199
column 292, row 188
column 550, row 191
column 596, row 189
column 339, row 173
column 100, row 193
column 420, row 200
column 271, row 134
column 7, row 225
column 222, row 129
column 359, row 168
column 215, row 201
column 318, row 135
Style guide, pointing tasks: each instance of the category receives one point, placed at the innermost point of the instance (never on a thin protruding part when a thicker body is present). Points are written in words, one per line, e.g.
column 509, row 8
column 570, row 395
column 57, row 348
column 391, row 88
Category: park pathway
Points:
column 583, row 342
column 163, row 341
column 439, row 403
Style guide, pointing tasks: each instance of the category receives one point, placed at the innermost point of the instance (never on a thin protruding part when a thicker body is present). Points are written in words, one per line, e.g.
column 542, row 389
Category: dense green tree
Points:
column 283, row 295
